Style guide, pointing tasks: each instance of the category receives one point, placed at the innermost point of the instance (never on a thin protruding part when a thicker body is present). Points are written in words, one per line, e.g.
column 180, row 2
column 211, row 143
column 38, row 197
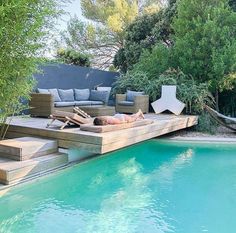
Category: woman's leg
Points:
column 134, row 117
column 138, row 115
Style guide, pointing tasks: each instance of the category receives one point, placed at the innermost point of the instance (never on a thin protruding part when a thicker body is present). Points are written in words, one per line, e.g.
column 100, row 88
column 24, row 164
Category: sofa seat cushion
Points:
column 126, row 103
column 99, row 96
column 131, row 95
column 81, row 94
column 64, row 104
column 93, row 102
column 66, row 95
column 83, row 103
column 55, row 94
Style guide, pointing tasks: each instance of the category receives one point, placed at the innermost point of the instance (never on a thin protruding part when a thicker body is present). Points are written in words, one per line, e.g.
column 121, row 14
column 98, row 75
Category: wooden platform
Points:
column 27, row 148
column 99, row 142
column 16, row 171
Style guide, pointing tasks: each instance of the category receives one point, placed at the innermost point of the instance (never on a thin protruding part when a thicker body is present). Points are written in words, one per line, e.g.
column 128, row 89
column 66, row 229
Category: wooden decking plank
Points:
column 132, row 132
column 75, row 135
column 94, row 148
column 139, row 138
column 101, row 142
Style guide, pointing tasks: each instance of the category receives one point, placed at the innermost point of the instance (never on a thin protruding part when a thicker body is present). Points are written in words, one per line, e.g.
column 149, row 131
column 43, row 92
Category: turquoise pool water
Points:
column 156, row 186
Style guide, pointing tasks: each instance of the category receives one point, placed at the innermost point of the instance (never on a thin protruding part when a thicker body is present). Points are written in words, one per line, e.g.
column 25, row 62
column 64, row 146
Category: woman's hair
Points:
column 100, row 121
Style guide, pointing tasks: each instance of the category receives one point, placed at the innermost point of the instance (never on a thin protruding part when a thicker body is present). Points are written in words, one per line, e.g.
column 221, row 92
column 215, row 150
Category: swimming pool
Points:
column 155, row 186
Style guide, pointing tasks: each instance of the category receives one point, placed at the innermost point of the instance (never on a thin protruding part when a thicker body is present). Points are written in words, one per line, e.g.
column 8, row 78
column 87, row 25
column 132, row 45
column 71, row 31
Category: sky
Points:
column 72, row 8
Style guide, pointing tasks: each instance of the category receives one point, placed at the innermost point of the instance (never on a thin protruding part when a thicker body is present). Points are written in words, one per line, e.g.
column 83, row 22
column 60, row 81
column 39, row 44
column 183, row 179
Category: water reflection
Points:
column 136, row 190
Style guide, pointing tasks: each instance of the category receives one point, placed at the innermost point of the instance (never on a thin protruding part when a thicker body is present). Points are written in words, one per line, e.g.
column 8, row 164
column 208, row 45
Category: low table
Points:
column 98, row 110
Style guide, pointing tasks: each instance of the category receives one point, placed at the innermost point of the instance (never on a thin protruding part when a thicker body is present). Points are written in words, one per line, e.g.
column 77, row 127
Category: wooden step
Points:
column 15, row 171
column 27, row 147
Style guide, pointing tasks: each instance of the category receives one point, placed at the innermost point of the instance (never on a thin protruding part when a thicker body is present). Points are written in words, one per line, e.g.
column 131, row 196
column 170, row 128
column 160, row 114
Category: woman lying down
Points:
column 118, row 119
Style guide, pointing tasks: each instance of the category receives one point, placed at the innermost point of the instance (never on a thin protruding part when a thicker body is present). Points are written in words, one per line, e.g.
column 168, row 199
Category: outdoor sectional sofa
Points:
column 45, row 101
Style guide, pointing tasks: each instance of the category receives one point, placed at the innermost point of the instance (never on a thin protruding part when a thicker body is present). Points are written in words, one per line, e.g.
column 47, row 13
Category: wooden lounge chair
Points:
column 81, row 112
column 68, row 118
column 222, row 119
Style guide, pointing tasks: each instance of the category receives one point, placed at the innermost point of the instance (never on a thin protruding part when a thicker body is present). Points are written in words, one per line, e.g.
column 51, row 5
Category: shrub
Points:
column 193, row 94
column 206, row 124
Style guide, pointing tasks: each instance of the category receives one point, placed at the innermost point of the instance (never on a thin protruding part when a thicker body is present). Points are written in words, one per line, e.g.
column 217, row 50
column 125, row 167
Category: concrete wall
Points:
column 69, row 76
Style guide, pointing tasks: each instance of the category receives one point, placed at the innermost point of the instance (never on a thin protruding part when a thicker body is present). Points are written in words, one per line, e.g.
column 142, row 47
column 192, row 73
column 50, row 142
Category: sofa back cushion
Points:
column 43, row 91
column 131, row 94
column 99, row 96
column 55, row 94
column 81, row 94
column 66, row 95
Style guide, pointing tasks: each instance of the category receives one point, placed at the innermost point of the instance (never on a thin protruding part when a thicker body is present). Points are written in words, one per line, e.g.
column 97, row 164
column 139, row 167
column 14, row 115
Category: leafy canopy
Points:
column 144, row 33
column 205, row 45
column 24, row 28
column 103, row 35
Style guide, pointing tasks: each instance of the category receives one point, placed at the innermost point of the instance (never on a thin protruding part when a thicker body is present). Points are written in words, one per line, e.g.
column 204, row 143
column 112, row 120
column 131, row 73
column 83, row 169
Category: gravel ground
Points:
column 221, row 132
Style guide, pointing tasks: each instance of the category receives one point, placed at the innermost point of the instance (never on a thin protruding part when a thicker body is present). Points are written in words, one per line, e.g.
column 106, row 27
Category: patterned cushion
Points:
column 43, row 91
column 66, row 95
column 81, row 94
column 99, row 96
column 64, row 104
column 131, row 94
column 55, row 94
column 126, row 103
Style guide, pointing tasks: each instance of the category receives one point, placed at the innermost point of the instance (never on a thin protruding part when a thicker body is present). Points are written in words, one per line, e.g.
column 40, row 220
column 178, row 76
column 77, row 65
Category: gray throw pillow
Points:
column 66, row 95
column 55, row 94
column 43, row 91
column 99, row 96
column 81, row 94
column 131, row 94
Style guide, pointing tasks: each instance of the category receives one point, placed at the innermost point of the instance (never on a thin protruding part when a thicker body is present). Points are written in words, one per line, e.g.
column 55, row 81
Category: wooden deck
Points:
column 99, row 143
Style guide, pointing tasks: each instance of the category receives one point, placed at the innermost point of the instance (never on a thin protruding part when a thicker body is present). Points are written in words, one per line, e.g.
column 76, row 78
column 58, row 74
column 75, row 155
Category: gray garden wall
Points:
column 69, row 76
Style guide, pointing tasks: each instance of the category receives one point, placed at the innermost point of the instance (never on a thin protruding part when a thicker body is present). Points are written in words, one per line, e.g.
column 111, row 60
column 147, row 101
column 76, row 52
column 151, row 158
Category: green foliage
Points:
column 115, row 14
column 137, row 37
column 232, row 4
column 191, row 93
column 206, row 124
column 24, row 27
column 154, row 62
column 144, row 33
column 103, row 35
column 72, row 57
column 205, row 44
column 227, row 104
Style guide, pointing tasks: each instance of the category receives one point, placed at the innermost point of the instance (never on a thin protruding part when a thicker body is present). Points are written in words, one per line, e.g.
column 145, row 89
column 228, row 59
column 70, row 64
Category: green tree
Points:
column 205, row 44
column 72, row 57
column 24, row 28
column 144, row 33
column 103, row 35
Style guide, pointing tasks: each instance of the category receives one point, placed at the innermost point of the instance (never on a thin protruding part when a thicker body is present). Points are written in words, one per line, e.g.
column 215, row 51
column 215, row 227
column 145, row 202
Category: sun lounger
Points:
column 168, row 101
column 109, row 128
column 81, row 112
column 68, row 118
column 222, row 119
